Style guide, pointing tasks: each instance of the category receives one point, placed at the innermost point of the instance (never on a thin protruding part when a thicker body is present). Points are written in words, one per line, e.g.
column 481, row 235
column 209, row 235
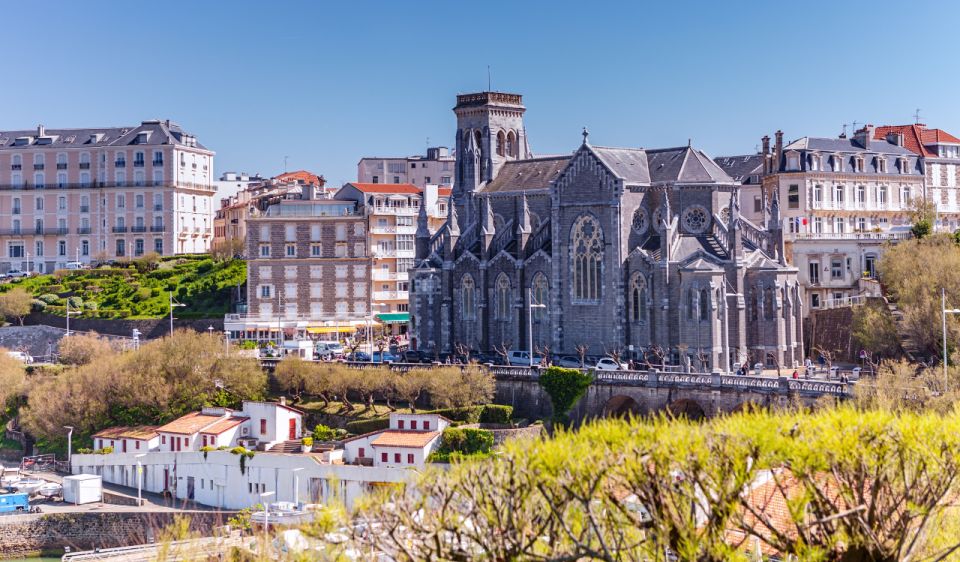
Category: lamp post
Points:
column 70, row 313
column 296, row 486
column 69, row 445
column 266, row 516
column 140, row 479
column 945, row 311
column 172, row 306
column 530, row 307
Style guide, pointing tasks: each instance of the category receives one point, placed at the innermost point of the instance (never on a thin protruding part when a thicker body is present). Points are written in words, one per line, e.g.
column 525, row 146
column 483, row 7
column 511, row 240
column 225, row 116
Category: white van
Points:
column 522, row 359
column 75, row 265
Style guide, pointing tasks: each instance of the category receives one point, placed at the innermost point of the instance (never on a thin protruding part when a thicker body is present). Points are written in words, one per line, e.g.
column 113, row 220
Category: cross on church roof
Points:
column 586, row 134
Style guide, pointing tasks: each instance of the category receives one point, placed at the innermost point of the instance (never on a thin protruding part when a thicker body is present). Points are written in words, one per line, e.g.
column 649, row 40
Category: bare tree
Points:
column 582, row 349
column 543, row 351
column 701, row 359
column 776, row 361
column 503, row 350
column 826, row 354
column 615, row 352
column 462, row 351
column 660, row 354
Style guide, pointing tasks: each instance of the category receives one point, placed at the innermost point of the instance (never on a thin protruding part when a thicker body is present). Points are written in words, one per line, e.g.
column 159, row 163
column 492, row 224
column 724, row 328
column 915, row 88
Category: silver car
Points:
column 608, row 364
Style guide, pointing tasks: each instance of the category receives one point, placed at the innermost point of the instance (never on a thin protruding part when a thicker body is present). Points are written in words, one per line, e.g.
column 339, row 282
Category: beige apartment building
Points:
column 308, row 271
column 436, row 168
column 391, row 211
column 102, row 193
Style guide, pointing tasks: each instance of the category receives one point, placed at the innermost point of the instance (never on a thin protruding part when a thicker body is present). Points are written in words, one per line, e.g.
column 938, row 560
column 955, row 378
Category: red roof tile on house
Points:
column 223, row 425
column 917, row 137
column 387, row 188
column 936, row 136
column 142, row 432
column 394, row 438
column 189, row 424
column 445, row 191
column 301, row 176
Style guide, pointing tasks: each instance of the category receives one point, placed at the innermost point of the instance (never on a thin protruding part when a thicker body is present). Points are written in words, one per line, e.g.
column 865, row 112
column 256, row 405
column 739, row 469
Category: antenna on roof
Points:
column 489, row 81
column 855, row 126
column 285, row 164
column 843, row 135
column 916, row 116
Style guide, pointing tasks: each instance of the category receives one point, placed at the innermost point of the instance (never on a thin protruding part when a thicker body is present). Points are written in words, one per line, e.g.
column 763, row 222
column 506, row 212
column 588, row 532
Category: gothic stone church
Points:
column 638, row 251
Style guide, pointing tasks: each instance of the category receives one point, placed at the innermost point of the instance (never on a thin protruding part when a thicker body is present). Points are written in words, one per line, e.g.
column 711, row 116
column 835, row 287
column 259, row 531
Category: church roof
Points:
column 701, row 264
column 629, row 164
column 740, row 168
column 684, row 165
column 529, row 174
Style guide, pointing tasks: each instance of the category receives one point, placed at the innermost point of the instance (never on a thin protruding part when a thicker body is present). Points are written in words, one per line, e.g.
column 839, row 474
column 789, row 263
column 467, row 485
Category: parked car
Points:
column 384, row 357
column 75, row 265
column 414, row 356
column 359, row 357
column 567, row 361
column 17, row 273
column 19, row 355
column 522, row 358
column 608, row 364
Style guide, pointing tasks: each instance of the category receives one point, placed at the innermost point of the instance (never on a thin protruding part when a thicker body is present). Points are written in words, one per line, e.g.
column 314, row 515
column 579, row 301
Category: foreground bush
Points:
column 842, row 484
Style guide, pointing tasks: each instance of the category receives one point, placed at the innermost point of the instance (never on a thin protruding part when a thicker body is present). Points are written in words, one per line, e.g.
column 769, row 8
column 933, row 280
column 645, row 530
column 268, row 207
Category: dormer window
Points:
column 793, row 162
column 858, row 163
column 881, row 163
column 142, row 137
column 837, row 163
column 903, row 164
column 814, row 163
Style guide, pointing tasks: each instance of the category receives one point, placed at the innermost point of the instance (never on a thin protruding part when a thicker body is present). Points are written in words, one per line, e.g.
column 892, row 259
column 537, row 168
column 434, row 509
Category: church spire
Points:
column 487, row 226
column 453, row 222
column 734, row 219
column 422, row 238
column 523, row 218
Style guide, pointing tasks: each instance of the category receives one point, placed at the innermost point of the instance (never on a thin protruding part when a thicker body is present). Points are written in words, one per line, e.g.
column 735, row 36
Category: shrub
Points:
column 76, row 303
column 103, row 451
column 55, row 288
column 467, row 414
column 90, row 305
column 49, row 298
column 307, row 441
column 565, row 387
column 324, row 433
column 207, row 448
column 360, row 427
column 496, row 413
column 463, row 442
column 84, row 451
column 38, row 305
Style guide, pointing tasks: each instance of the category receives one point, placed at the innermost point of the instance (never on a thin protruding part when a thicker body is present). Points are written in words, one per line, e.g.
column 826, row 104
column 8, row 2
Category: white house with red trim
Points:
column 139, row 439
column 258, row 425
column 406, row 443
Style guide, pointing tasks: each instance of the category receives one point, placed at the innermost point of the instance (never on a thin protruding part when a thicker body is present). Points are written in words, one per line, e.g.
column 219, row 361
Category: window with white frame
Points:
column 817, row 196
column 861, row 196
column 341, row 308
column 265, row 271
column 316, row 291
column 839, row 225
column 359, row 290
column 838, row 194
column 289, row 272
column 882, row 195
column 341, row 290
column 316, row 272
column 341, row 271
column 266, row 291
column 264, row 250
column 290, row 291
column 316, row 250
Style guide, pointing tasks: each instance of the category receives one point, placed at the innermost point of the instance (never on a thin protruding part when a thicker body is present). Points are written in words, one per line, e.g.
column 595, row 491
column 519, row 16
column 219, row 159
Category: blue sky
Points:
column 326, row 83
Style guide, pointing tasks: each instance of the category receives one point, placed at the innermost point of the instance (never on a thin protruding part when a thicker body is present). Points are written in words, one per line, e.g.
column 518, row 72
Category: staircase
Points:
column 909, row 347
column 292, row 446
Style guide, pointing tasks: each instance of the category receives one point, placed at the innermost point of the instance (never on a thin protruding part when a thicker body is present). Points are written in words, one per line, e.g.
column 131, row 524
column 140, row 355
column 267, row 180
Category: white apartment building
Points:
column 434, row 168
column 841, row 199
column 102, row 193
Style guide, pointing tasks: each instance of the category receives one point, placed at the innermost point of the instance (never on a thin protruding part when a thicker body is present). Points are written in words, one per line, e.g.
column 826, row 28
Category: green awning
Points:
column 394, row 317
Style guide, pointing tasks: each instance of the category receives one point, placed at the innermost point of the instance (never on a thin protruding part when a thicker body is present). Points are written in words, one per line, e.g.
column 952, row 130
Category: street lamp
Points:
column 296, row 485
column 139, row 479
column 172, row 306
column 69, row 445
column 70, row 313
column 943, row 307
column 530, row 307
column 266, row 516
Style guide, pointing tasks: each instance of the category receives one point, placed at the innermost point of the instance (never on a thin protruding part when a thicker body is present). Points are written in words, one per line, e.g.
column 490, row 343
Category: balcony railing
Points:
column 84, row 165
column 11, row 232
column 84, row 208
column 16, row 166
column 61, row 165
column 390, row 295
column 158, row 163
column 38, row 166
column 390, row 275
column 851, row 236
column 119, row 229
column 136, row 229
column 158, row 228
column 98, row 185
column 384, row 210
column 138, row 163
column 120, row 164
column 84, row 230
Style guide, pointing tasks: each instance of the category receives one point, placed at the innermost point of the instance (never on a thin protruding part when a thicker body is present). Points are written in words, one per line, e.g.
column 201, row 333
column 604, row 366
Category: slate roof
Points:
column 161, row 133
column 394, row 438
column 740, row 168
column 684, row 165
column 629, row 164
column 529, row 174
column 844, row 145
column 143, row 432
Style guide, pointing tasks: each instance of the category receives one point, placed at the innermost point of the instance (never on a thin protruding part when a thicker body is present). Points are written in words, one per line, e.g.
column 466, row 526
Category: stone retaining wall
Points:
column 28, row 535
column 149, row 329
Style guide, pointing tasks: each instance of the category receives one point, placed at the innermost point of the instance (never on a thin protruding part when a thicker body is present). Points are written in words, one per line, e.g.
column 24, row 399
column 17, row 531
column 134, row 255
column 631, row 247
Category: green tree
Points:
column 293, row 374
column 565, row 387
column 874, row 330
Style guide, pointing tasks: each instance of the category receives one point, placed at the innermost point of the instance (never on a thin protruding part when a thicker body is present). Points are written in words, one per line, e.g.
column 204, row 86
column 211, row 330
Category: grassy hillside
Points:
column 139, row 289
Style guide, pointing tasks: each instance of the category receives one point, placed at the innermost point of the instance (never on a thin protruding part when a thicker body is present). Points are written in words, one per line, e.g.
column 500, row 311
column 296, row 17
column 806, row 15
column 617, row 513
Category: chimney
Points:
column 765, row 152
column 778, row 150
column 40, row 130
column 864, row 136
column 282, row 400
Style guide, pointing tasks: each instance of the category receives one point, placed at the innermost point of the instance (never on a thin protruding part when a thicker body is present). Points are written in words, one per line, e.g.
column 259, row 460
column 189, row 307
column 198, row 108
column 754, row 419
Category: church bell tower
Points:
column 489, row 132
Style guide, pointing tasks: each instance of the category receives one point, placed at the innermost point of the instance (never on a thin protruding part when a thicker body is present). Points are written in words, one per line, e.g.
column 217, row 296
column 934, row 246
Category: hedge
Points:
column 467, row 414
column 360, row 427
column 463, row 442
column 496, row 413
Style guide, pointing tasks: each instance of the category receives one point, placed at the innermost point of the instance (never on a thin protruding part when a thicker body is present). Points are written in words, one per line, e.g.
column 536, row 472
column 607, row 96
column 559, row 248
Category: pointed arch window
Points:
column 704, row 304
column 501, row 144
column 468, row 300
column 503, row 298
column 541, row 291
column 587, row 259
column 638, row 298
column 512, row 144
column 768, row 303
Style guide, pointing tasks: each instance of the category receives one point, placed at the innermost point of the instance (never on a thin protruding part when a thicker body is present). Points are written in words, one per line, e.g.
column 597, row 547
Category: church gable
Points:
column 586, row 179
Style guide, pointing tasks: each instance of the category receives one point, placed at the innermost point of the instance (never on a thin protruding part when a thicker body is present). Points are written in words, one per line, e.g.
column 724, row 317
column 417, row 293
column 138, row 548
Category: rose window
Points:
column 695, row 219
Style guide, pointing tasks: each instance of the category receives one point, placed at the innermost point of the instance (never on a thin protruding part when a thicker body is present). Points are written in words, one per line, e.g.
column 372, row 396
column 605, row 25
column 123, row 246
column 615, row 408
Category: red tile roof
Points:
column 394, row 438
column 223, row 425
column 143, row 432
column 445, row 191
column 189, row 424
column 917, row 137
column 387, row 188
column 301, row 176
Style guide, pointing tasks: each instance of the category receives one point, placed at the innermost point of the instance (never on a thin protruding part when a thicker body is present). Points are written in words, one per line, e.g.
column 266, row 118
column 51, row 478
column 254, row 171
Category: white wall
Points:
column 278, row 421
column 226, row 487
